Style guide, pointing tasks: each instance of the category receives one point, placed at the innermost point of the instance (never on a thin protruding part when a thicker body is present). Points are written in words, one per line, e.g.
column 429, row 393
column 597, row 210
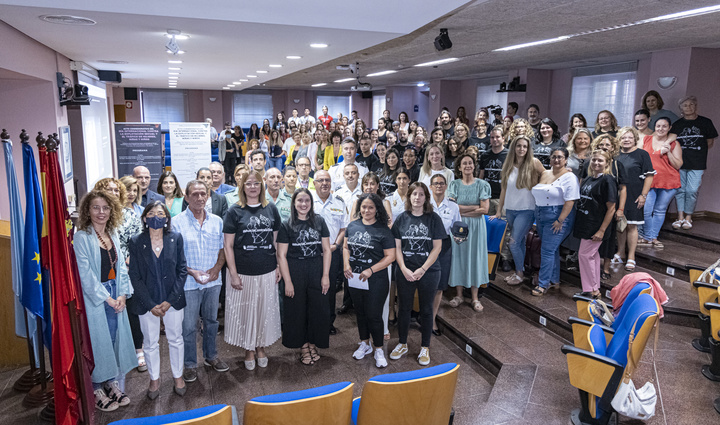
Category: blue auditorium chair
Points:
column 326, row 405
column 419, row 397
column 495, row 239
column 219, row 414
column 598, row 371
column 585, row 319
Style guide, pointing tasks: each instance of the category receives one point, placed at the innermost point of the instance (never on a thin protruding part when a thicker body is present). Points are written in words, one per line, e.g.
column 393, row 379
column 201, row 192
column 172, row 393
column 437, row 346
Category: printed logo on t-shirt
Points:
column 308, row 241
column 493, row 169
column 690, row 137
column 359, row 243
column 416, row 235
column 259, row 227
column 584, row 197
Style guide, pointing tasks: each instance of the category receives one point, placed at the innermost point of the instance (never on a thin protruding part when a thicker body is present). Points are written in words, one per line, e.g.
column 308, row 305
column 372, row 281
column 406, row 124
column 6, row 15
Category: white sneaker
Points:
column 686, row 225
column 424, row 357
column 515, row 280
column 363, row 350
column 399, row 351
column 380, row 358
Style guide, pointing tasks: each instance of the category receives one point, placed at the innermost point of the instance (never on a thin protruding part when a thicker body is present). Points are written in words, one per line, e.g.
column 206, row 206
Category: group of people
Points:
column 374, row 213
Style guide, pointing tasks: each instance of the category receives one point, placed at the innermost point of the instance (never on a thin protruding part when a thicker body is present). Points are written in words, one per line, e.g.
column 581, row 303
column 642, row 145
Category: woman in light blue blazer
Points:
column 106, row 287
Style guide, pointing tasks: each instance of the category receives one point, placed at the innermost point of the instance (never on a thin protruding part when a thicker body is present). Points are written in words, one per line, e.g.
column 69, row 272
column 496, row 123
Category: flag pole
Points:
column 51, row 145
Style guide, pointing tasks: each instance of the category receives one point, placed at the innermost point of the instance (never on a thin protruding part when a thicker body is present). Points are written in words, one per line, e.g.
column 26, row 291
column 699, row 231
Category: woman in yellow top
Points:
column 333, row 151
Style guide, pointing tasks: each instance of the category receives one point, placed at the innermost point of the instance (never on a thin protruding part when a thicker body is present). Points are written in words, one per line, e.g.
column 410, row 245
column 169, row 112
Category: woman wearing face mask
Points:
column 595, row 210
column 640, row 175
column 158, row 272
column 106, row 287
column 666, row 156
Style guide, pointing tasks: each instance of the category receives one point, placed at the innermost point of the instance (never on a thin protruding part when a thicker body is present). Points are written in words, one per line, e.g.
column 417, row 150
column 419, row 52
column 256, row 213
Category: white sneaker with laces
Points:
column 424, row 357
column 380, row 358
column 363, row 350
column 399, row 351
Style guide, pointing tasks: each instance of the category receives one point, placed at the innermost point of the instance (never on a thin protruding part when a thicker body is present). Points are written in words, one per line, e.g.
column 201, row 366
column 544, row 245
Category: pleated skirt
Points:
column 252, row 315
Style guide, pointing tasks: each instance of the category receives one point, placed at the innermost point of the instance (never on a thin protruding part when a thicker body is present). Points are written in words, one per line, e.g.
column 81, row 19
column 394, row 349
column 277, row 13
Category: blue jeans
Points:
column 550, row 247
column 277, row 163
column 655, row 207
column 520, row 222
column 686, row 196
column 197, row 301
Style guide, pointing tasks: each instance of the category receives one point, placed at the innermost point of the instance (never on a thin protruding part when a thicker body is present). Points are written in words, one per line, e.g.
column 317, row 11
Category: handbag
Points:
column 602, row 312
column 630, row 401
column 621, row 224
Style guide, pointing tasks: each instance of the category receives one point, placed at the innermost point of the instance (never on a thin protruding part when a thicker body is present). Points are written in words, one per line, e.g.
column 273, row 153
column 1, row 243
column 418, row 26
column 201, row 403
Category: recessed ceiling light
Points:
column 319, row 84
column 179, row 52
column 318, row 45
column 226, row 88
column 343, row 80
column 231, row 85
column 174, row 61
column 67, row 20
column 293, row 57
column 173, row 73
column 533, row 43
column 377, row 74
column 421, row 84
column 261, row 72
column 174, row 68
column 252, row 76
column 275, row 66
column 242, row 79
column 178, row 36
column 237, row 82
column 438, row 62
column 172, row 77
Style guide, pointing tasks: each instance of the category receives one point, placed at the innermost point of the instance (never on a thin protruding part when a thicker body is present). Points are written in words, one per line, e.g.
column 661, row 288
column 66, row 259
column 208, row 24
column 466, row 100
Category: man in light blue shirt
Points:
column 203, row 237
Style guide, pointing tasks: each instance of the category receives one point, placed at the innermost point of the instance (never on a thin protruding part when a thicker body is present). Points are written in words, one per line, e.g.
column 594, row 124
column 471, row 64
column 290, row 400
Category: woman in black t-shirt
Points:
column 369, row 249
column 418, row 236
column 304, row 256
column 252, row 310
column 595, row 211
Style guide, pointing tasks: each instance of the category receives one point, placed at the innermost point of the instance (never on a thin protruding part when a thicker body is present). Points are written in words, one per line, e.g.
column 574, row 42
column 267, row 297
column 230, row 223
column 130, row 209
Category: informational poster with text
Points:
column 189, row 149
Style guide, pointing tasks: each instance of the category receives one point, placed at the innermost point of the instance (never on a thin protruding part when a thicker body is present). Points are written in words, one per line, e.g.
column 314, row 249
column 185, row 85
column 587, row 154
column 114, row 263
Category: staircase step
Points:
column 675, row 255
column 705, row 235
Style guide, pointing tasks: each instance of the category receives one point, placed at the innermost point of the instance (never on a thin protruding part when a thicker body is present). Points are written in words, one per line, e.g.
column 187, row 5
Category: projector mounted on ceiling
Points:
column 361, row 87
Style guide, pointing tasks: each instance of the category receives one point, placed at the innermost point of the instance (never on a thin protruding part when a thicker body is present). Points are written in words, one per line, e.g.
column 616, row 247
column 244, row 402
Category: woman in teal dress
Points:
column 169, row 187
column 469, row 266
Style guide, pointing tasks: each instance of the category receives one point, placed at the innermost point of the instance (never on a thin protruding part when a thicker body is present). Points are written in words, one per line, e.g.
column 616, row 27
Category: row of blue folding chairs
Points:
column 419, row 397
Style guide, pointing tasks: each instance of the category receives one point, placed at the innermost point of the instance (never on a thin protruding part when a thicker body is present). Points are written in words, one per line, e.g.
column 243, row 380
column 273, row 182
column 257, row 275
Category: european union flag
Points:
column 32, row 290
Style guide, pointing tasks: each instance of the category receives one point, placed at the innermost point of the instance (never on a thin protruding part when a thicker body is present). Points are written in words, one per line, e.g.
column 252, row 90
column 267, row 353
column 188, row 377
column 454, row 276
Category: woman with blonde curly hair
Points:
column 606, row 123
column 106, row 287
column 520, row 127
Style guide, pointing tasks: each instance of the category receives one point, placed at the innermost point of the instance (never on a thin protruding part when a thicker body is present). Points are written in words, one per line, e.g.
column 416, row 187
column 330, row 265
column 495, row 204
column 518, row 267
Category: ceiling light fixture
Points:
column 319, row 84
column 343, row 80
column 66, row 20
column 177, row 34
column 175, row 68
column 172, row 77
column 231, row 85
column 421, row 84
column 533, row 43
column 377, row 74
column 318, row 45
column 438, row 62
column 173, row 73
column 293, row 57
column 242, row 79
column 275, row 66
column 174, row 61
column 261, row 72
column 237, row 83
column 226, row 88
column 252, row 76
column 179, row 52
column 685, row 14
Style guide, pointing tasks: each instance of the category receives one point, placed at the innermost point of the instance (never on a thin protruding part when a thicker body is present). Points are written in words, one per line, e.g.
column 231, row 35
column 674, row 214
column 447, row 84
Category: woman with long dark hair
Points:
column 387, row 175
column 577, row 121
column 369, row 249
column 547, row 141
column 418, row 236
column 169, row 187
column 304, row 259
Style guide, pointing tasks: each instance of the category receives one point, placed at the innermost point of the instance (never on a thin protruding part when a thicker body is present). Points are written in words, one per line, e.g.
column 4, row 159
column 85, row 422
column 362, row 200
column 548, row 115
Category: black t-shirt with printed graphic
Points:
column 693, row 136
column 483, row 145
column 253, row 228
column 416, row 235
column 304, row 241
column 492, row 163
column 367, row 244
column 542, row 151
column 595, row 192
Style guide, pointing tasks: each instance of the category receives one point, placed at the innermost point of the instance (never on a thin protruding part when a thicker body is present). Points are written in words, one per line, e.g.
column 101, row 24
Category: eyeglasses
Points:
column 256, row 184
column 98, row 208
column 439, row 184
column 556, row 157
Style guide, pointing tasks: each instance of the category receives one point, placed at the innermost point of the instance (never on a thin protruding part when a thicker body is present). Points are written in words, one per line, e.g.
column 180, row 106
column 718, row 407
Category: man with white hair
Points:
column 337, row 171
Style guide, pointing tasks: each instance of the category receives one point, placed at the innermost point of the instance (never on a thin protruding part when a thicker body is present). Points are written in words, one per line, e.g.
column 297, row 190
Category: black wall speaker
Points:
column 367, row 95
column 110, row 76
column 131, row 93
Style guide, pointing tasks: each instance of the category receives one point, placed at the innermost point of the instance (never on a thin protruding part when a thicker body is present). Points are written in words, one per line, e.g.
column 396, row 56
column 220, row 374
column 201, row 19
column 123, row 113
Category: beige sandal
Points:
column 456, row 301
column 477, row 306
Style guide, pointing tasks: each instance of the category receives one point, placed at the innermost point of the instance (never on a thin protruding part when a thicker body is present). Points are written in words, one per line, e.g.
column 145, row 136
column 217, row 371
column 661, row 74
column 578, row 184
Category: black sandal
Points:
column 314, row 354
column 605, row 276
column 306, row 356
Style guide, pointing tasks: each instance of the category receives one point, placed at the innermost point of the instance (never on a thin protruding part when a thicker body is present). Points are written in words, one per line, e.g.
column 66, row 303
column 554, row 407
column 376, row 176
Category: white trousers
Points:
column 150, row 325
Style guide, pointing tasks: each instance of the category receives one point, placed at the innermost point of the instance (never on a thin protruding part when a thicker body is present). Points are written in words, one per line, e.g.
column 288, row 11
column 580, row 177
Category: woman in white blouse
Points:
column 555, row 196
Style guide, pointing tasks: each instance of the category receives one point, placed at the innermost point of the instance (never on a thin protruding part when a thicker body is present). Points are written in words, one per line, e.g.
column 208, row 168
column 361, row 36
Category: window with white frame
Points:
column 337, row 104
column 164, row 106
column 487, row 95
column 607, row 87
column 377, row 109
column 251, row 108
